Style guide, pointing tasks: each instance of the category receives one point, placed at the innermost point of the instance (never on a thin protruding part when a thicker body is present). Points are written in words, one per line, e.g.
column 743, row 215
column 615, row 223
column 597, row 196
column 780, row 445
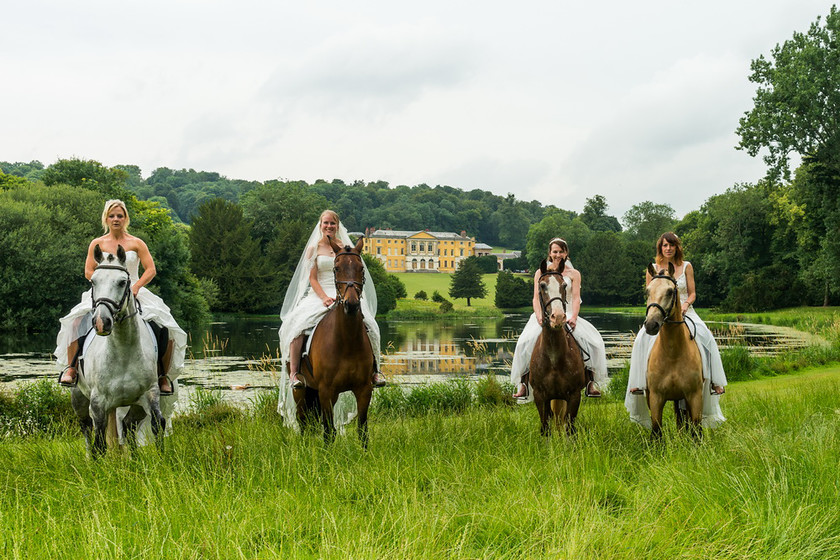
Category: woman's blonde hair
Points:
column 331, row 213
column 110, row 204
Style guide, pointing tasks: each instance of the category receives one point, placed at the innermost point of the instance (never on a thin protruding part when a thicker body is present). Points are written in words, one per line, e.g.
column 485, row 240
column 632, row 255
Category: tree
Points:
column 224, row 251
column 595, row 215
column 389, row 287
column 648, row 220
column 89, row 174
column 797, row 103
column 466, row 282
column 555, row 223
column 512, row 291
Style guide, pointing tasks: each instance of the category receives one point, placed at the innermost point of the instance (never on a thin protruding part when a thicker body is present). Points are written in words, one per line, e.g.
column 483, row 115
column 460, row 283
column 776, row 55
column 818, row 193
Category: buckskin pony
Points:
column 557, row 374
column 340, row 356
column 675, row 368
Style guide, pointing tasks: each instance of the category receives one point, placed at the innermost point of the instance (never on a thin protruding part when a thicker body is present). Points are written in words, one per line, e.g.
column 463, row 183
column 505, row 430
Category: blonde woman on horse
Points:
column 76, row 325
column 586, row 335
column 312, row 293
column 669, row 251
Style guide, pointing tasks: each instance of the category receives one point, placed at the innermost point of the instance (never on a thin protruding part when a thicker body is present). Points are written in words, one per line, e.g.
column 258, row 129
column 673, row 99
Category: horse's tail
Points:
column 112, row 439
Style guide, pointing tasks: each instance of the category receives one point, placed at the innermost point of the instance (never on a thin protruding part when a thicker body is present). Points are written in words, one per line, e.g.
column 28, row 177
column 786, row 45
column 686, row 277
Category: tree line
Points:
column 232, row 245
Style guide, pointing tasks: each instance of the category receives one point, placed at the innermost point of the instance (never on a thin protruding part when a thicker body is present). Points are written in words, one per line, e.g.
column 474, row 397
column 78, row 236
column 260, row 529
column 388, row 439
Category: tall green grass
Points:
column 480, row 483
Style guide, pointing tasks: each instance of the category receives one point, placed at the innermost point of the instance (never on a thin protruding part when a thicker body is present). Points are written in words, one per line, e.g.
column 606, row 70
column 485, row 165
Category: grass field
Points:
column 481, row 484
column 431, row 282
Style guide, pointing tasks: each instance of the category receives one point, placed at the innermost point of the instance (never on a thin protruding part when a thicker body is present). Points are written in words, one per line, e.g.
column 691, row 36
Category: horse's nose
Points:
column 101, row 324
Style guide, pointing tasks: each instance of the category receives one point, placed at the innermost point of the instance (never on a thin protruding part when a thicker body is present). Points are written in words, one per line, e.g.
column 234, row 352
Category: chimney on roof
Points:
column 463, row 233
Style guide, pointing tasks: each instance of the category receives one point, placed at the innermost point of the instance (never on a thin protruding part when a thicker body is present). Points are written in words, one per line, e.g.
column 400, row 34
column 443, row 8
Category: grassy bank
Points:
column 478, row 484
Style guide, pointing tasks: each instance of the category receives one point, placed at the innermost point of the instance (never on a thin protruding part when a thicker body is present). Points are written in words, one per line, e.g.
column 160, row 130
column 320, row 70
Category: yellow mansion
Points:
column 421, row 251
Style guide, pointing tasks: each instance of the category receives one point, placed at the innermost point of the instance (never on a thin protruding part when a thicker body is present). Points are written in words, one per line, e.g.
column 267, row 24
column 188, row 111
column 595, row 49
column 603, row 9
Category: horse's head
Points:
column 110, row 289
column 552, row 291
column 662, row 295
column 349, row 274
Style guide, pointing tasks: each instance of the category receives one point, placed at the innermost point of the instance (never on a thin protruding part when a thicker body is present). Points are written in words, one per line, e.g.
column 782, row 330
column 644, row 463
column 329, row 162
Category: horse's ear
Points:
column 561, row 266
column 360, row 244
column 671, row 269
column 543, row 267
column 651, row 270
column 120, row 253
column 335, row 246
column 97, row 254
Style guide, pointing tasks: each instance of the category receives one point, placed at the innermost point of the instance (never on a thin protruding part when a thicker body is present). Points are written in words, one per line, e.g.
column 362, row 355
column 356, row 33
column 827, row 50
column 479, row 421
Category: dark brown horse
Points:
column 557, row 374
column 340, row 356
column 674, row 369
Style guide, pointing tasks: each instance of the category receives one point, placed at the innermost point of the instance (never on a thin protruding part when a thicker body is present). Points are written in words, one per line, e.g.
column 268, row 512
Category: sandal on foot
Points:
column 592, row 390
column 637, row 391
column 68, row 383
column 522, row 392
column 713, row 389
column 379, row 380
column 171, row 386
column 296, row 381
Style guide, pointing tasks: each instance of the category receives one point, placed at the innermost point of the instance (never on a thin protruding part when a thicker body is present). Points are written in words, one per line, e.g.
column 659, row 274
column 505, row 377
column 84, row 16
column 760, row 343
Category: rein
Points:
column 358, row 286
column 667, row 314
column 116, row 308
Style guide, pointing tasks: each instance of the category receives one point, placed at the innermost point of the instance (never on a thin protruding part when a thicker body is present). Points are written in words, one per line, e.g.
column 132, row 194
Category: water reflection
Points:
column 239, row 355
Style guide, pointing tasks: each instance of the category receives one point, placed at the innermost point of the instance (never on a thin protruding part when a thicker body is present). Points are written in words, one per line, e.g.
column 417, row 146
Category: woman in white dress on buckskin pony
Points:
column 586, row 335
column 669, row 251
column 172, row 340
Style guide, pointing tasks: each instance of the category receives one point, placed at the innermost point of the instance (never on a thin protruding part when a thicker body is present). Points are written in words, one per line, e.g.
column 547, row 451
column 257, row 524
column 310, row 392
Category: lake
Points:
column 239, row 355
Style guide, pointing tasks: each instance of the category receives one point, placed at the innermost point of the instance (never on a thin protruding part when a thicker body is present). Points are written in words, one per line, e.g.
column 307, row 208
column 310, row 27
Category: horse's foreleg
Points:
column 544, row 409
column 656, row 404
column 680, row 415
column 558, row 412
column 327, row 401
column 572, row 412
column 695, row 412
column 363, row 395
column 100, row 424
column 81, row 405
column 130, row 423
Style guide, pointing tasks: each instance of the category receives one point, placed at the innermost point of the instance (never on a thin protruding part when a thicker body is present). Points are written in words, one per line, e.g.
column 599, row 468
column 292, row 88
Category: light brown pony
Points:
column 340, row 356
column 557, row 374
column 674, row 369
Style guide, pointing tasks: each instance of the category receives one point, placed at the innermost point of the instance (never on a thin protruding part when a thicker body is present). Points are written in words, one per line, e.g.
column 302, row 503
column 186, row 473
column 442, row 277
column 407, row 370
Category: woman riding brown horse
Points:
column 557, row 373
column 340, row 356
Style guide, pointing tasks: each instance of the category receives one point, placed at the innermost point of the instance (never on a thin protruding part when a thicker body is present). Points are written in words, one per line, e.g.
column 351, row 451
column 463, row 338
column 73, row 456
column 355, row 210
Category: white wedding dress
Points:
column 78, row 322
column 586, row 335
column 636, row 405
column 303, row 317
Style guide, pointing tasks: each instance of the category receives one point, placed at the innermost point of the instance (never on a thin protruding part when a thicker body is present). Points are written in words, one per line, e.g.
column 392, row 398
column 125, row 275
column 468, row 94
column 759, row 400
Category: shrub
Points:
column 446, row 306
column 437, row 298
column 421, row 295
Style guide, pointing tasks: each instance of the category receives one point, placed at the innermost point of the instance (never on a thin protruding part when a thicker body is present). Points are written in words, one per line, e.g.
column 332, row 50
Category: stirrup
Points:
column 638, row 391
column 171, row 390
column 597, row 390
column 379, row 380
column 712, row 387
column 522, row 392
column 70, row 384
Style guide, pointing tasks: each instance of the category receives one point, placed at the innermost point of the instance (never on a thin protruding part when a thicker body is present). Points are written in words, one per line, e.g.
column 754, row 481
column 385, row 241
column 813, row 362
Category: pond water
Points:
column 239, row 355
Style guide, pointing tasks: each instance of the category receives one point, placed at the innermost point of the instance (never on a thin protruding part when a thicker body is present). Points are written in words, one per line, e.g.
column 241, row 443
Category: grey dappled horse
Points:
column 119, row 366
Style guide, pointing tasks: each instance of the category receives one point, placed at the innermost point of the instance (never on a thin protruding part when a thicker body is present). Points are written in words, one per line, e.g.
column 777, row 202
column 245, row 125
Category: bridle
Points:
column 358, row 286
column 667, row 314
column 561, row 298
column 117, row 308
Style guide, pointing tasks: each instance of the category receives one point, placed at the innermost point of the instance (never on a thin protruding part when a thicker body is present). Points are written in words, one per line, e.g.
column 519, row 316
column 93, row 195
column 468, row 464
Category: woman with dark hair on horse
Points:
column 311, row 293
column 586, row 335
column 669, row 251
column 75, row 326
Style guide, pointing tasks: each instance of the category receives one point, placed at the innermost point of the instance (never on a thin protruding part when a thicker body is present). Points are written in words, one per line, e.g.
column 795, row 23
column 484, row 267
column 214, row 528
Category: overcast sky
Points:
column 555, row 101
